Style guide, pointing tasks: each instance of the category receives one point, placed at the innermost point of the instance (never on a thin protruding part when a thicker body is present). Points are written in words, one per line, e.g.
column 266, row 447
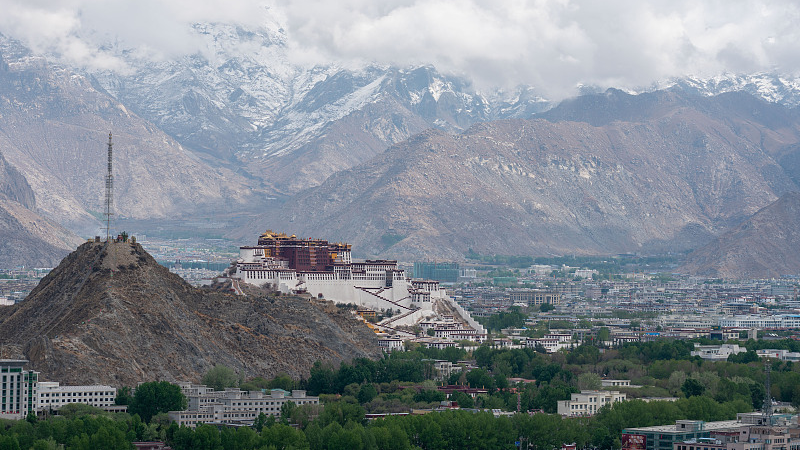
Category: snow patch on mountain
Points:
column 771, row 87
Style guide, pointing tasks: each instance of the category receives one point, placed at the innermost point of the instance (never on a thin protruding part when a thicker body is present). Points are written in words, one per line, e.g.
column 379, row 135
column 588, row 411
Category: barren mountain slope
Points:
column 243, row 102
column 53, row 128
column 111, row 314
column 767, row 245
column 28, row 239
column 25, row 237
column 669, row 182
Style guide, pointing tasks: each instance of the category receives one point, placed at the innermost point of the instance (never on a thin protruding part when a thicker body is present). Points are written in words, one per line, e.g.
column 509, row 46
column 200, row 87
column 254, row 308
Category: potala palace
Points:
column 293, row 265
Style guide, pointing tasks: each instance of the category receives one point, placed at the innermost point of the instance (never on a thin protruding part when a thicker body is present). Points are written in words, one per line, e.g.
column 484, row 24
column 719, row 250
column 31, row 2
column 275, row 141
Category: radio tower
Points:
column 109, row 192
column 767, row 409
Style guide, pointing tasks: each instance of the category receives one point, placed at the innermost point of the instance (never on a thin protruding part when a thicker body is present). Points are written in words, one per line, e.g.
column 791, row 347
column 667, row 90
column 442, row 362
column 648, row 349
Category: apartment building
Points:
column 234, row 406
column 588, row 402
column 19, row 387
column 716, row 352
column 664, row 437
column 52, row 396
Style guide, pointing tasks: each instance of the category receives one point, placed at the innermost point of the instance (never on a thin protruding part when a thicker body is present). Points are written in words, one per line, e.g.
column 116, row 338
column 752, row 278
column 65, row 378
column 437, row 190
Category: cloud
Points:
column 554, row 45
column 91, row 33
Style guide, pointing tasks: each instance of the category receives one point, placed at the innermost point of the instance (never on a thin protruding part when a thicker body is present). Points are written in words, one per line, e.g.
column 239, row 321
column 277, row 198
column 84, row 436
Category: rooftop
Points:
column 8, row 362
column 707, row 426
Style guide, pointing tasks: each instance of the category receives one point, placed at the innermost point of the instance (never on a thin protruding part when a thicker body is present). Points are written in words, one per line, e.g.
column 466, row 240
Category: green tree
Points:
column 255, row 384
column 584, row 354
column 322, row 379
column 545, row 307
column 367, row 393
column 795, row 396
column 283, row 436
column 9, row 443
column 260, row 422
column 341, row 412
column 74, row 410
column 429, row 396
column 220, row 377
column 603, row 335
column 479, row 378
column 156, row 397
column 286, row 411
column 109, row 437
column 283, row 381
column 463, row 400
column 743, row 357
column 45, row 444
column 692, row 387
column 549, row 394
column 124, row 396
column 588, row 380
column 206, row 437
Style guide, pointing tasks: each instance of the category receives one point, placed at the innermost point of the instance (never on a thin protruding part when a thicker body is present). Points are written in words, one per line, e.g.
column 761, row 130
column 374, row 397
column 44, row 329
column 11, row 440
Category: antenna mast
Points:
column 109, row 192
column 767, row 409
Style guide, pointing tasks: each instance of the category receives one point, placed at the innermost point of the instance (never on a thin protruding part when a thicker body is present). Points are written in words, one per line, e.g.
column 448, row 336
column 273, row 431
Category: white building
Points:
column 761, row 322
column 540, row 269
column 440, row 345
column 551, row 345
column 587, row 402
column 716, row 352
column 585, row 273
column 444, row 369
column 560, row 337
column 330, row 273
column 616, row 383
column 375, row 284
column 783, row 355
column 52, row 396
column 467, row 273
column 19, row 388
column 390, row 344
column 234, row 406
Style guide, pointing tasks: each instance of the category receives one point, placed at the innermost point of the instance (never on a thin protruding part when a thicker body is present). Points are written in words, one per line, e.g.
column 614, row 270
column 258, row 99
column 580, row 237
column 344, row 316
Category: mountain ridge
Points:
column 54, row 128
column 763, row 246
column 552, row 187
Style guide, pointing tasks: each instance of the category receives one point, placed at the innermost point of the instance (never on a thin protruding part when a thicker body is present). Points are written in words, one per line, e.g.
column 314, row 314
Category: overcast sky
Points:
column 553, row 45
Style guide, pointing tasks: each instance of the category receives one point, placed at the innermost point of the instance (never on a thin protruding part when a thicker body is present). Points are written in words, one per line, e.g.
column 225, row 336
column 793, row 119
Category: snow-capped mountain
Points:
column 768, row 86
column 54, row 127
column 243, row 102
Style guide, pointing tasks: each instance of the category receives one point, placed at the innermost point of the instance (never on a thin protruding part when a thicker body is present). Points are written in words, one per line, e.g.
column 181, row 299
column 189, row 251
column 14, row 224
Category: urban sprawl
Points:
column 550, row 308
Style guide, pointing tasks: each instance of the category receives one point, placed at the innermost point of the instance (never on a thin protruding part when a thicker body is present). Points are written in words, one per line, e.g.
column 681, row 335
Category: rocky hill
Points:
column 764, row 246
column 669, row 173
column 111, row 314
